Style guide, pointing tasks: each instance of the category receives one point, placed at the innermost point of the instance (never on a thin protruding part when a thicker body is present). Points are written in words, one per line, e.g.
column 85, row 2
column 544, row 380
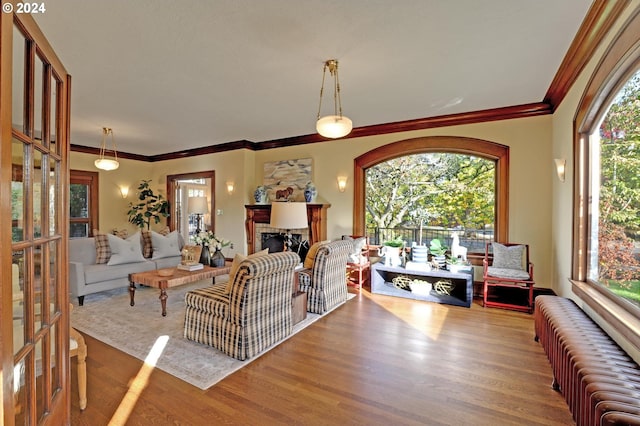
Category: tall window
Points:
column 83, row 203
column 614, row 233
column 606, row 185
column 469, row 170
column 425, row 196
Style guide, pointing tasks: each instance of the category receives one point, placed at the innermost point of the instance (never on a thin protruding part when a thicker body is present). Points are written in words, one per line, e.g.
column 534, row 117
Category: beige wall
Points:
column 531, row 173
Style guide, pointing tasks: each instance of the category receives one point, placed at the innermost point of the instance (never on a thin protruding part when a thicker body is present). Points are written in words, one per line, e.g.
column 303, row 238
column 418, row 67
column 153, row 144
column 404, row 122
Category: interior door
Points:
column 34, row 336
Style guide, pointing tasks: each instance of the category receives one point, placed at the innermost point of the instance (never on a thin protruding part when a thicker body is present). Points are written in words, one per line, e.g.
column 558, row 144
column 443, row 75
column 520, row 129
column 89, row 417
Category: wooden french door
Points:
column 34, row 117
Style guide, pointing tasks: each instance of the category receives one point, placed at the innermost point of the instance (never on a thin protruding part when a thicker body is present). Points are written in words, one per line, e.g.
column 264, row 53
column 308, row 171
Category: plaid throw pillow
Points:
column 165, row 231
column 103, row 249
column 122, row 233
column 147, row 245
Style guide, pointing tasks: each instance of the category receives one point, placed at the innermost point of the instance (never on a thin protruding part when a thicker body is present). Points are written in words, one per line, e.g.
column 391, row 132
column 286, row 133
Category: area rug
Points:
column 108, row 317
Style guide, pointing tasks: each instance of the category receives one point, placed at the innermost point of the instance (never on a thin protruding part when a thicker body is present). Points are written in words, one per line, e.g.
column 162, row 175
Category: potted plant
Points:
column 151, row 207
column 391, row 251
column 438, row 249
column 457, row 264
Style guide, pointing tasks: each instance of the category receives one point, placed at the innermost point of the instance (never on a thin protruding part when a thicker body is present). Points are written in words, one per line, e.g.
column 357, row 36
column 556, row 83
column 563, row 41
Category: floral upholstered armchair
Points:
column 323, row 278
column 248, row 314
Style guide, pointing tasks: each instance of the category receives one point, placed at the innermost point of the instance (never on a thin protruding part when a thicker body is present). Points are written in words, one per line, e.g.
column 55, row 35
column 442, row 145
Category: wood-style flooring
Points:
column 377, row 360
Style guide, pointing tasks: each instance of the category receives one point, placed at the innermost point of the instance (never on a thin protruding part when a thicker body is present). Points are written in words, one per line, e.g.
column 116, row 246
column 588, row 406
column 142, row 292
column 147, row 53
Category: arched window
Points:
column 605, row 270
column 438, row 144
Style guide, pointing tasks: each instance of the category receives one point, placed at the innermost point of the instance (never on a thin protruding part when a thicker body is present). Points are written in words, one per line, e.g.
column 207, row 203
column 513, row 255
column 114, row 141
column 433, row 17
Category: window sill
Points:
column 622, row 320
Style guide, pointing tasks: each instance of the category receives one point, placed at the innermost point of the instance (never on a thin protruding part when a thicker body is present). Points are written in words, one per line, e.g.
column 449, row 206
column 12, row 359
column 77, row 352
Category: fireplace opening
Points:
column 274, row 241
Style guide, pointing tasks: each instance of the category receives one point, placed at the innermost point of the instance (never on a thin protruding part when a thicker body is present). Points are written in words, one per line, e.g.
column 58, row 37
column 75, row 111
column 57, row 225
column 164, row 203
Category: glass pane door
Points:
column 38, row 159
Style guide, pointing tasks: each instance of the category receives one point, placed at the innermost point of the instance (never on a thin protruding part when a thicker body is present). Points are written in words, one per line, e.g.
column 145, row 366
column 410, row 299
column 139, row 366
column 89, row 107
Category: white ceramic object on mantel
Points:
column 260, row 195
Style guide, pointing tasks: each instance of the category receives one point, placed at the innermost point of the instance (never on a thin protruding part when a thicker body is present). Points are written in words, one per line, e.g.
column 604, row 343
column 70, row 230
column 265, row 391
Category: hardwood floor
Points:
column 377, row 360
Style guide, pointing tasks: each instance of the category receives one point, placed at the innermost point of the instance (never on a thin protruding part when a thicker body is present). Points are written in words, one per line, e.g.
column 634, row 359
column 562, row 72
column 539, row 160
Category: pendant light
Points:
column 336, row 125
column 104, row 163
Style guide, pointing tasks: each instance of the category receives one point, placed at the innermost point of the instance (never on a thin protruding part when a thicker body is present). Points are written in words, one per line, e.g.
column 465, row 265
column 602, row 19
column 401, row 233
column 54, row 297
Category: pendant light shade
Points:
column 104, row 163
column 336, row 125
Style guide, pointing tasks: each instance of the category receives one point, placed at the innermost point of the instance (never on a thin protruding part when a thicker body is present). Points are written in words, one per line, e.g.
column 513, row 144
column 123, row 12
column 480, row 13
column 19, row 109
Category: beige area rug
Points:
column 108, row 317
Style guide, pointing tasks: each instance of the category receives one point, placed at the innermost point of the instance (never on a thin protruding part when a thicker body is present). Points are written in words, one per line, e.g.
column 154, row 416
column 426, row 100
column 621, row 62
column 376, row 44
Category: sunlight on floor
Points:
column 139, row 383
column 423, row 316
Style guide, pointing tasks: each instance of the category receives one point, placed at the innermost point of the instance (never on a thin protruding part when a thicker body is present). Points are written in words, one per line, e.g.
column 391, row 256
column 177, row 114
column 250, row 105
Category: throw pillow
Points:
column 311, row 254
column 147, row 244
column 237, row 260
column 168, row 246
column 103, row 250
column 507, row 257
column 358, row 245
column 122, row 233
column 125, row 251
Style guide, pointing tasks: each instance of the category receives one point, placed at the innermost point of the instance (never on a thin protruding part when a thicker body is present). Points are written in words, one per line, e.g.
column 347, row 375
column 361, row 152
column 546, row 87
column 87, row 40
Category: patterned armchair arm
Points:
column 304, row 278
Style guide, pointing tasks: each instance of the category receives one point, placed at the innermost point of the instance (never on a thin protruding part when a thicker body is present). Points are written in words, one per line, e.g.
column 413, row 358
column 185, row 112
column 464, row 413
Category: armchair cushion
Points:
column 311, row 254
column 508, row 257
column 237, row 260
column 211, row 299
column 514, row 274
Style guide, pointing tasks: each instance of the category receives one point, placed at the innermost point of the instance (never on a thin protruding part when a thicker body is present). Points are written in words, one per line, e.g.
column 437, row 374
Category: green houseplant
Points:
column 437, row 249
column 150, row 207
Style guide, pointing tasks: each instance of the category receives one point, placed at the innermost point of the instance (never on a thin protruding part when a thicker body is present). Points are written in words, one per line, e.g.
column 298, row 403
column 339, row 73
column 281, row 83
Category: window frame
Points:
column 444, row 144
column 91, row 179
column 618, row 64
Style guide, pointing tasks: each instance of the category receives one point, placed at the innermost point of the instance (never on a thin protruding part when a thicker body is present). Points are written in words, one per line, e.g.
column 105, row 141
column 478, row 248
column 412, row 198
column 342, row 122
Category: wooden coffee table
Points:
column 180, row 277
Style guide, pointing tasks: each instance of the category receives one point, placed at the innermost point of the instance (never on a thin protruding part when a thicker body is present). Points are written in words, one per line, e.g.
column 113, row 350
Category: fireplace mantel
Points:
column 261, row 213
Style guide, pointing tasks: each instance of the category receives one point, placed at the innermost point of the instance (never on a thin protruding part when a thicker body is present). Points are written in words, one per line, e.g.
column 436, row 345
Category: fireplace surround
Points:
column 258, row 218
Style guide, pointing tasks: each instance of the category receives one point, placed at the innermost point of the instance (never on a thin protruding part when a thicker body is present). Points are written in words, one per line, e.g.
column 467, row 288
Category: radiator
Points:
column 598, row 380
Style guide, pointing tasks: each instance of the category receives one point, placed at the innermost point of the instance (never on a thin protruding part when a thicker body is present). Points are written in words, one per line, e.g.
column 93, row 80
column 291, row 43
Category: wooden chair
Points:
column 359, row 264
column 78, row 348
column 510, row 269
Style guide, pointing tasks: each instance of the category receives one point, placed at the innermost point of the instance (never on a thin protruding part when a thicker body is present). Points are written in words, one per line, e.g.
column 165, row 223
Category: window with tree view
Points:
column 614, row 255
column 424, row 196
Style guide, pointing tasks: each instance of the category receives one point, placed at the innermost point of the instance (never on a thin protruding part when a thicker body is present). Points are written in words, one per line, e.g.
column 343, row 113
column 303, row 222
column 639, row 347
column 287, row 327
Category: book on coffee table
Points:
column 192, row 267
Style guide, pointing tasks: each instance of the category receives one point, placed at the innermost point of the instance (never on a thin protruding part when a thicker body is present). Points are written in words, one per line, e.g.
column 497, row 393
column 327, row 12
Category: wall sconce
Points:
column 124, row 191
column 561, row 164
column 342, row 183
column 230, row 187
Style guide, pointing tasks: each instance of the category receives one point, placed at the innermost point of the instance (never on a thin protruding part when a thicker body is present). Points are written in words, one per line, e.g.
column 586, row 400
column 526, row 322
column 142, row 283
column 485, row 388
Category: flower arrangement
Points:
column 208, row 239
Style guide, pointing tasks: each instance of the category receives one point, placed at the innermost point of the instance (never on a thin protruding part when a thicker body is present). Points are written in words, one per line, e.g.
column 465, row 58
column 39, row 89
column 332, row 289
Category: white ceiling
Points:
column 175, row 75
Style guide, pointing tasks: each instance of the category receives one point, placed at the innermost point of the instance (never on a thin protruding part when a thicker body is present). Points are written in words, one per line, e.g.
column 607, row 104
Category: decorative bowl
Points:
column 167, row 272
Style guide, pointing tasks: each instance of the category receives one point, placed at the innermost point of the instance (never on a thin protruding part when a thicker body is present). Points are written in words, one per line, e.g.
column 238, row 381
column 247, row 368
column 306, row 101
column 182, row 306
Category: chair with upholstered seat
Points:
column 248, row 314
column 323, row 278
column 511, row 269
column 358, row 263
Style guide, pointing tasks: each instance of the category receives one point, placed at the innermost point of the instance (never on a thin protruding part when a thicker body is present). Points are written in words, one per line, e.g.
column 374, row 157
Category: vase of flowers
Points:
column 209, row 243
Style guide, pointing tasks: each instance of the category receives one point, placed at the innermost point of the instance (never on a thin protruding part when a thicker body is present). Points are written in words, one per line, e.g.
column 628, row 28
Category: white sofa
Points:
column 87, row 277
